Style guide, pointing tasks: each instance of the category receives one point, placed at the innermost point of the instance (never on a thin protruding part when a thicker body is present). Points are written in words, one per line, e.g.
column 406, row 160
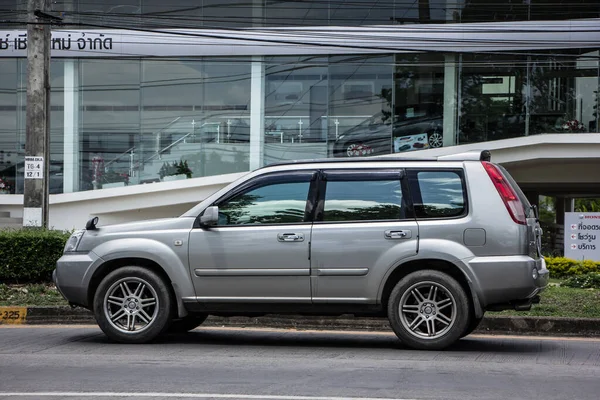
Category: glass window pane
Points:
column 356, row 13
column 363, row 201
column 359, row 105
column 110, row 121
column 418, row 99
column 441, row 194
column 282, row 203
column 295, row 108
column 9, row 146
column 563, row 94
column 296, row 13
column 493, row 103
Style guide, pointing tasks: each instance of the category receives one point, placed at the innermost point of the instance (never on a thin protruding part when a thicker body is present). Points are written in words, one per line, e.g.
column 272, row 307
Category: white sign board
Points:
column 34, row 167
column 582, row 236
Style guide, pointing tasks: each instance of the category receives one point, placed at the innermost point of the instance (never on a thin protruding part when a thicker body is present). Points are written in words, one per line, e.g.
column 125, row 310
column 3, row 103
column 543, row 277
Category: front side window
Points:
column 438, row 194
column 279, row 203
column 363, row 200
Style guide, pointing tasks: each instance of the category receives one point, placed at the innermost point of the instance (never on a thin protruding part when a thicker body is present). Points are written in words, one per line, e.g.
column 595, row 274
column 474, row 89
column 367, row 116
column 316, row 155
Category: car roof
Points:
column 474, row 155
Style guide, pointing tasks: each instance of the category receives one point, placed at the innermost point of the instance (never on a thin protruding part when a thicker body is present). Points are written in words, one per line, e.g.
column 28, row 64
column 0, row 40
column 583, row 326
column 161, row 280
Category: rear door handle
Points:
column 290, row 237
column 403, row 234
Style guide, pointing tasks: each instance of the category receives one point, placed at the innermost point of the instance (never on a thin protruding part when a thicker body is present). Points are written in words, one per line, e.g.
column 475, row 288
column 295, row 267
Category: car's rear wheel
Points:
column 187, row 323
column 132, row 305
column 428, row 310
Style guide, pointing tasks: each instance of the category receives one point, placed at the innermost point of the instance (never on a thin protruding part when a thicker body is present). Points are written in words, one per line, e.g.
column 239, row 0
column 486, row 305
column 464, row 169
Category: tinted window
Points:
column 363, row 200
column 280, row 203
column 441, row 194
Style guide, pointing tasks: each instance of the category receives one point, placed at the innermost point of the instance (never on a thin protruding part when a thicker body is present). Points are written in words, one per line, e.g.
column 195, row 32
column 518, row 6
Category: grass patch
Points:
column 560, row 301
column 42, row 294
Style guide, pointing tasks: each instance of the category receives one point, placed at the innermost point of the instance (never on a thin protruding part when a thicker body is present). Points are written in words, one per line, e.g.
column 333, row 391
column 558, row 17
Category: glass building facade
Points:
column 137, row 119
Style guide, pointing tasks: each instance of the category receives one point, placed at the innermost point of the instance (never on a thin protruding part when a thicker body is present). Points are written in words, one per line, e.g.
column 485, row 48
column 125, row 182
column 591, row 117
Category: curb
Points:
column 490, row 324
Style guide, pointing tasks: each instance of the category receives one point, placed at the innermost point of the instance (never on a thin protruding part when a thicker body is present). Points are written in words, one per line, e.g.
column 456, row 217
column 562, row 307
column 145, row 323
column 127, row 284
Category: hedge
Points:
column 30, row 255
column 561, row 267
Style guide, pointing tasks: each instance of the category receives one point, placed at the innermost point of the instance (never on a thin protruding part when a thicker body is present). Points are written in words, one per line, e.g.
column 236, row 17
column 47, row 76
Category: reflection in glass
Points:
column 441, row 195
column 9, row 144
column 363, row 201
column 492, row 92
column 359, row 105
column 563, row 94
column 295, row 108
column 283, row 203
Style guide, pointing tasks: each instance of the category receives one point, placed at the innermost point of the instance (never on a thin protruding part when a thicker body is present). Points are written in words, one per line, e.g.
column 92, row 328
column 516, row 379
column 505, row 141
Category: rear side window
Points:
column 438, row 193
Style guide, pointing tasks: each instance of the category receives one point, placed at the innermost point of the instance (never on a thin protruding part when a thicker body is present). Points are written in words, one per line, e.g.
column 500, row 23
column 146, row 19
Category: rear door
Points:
column 364, row 225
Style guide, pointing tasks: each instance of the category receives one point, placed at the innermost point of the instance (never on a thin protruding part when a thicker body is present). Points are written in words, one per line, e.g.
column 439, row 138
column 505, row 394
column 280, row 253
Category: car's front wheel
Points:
column 435, row 139
column 428, row 310
column 132, row 305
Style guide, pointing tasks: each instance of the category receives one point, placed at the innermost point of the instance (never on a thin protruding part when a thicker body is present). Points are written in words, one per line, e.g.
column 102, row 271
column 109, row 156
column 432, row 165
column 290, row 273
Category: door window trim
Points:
column 266, row 180
column 413, row 183
column 349, row 175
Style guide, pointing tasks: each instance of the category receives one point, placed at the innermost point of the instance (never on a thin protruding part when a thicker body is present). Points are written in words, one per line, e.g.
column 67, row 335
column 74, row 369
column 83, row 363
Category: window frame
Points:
column 413, row 182
column 267, row 180
column 375, row 174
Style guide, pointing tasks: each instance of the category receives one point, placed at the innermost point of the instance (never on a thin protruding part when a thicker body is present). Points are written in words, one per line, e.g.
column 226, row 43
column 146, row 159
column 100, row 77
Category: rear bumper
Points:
column 509, row 282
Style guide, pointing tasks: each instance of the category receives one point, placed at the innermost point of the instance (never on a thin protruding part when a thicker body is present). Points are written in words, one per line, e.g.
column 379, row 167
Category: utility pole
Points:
column 37, row 126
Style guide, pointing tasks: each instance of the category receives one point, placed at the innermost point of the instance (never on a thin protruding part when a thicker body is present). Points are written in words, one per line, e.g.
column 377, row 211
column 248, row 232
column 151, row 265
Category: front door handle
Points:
column 290, row 237
column 403, row 234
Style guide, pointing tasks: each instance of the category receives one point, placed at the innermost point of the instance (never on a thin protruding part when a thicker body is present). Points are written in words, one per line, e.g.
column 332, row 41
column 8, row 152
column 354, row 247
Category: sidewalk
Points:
column 490, row 324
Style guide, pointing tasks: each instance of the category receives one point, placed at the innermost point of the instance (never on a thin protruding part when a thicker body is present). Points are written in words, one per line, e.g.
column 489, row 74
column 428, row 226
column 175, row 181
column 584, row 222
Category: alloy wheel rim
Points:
column 435, row 140
column 358, row 150
column 131, row 305
column 427, row 310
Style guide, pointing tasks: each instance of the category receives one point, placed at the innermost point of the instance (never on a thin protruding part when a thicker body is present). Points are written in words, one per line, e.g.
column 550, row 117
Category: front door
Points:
column 259, row 250
column 363, row 226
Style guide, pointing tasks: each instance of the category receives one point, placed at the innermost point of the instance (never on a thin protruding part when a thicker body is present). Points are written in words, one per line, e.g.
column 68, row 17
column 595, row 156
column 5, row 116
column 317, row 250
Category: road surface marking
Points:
column 188, row 395
column 12, row 315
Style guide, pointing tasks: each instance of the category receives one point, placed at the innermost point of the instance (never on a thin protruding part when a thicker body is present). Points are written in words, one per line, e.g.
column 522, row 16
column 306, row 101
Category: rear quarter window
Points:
column 438, row 193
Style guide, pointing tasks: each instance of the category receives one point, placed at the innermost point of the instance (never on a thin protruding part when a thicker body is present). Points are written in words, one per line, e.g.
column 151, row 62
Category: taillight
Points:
column 509, row 197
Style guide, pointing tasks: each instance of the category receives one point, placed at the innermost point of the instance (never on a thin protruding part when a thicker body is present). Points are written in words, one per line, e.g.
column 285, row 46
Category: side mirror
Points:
column 210, row 217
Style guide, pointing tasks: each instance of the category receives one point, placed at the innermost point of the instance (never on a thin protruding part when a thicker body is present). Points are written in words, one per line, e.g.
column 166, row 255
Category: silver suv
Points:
column 430, row 243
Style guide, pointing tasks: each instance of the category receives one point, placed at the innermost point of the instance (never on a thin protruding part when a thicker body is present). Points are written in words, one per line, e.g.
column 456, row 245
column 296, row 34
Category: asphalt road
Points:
column 56, row 362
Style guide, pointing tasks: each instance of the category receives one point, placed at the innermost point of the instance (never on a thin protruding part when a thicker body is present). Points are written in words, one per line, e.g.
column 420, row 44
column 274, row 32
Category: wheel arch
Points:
column 403, row 269
column 112, row 265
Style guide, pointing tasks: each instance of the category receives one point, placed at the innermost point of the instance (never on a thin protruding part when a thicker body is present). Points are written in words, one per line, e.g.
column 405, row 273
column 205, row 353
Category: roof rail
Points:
column 473, row 155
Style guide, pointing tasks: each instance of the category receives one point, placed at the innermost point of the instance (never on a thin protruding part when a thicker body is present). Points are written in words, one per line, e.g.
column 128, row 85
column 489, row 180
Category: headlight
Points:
column 73, row 241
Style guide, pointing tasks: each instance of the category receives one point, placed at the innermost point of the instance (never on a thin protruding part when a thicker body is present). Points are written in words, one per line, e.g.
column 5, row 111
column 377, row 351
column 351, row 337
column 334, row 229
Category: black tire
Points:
column 471, row 326
column 435, row 310
column 187, row 323
column 150, row 309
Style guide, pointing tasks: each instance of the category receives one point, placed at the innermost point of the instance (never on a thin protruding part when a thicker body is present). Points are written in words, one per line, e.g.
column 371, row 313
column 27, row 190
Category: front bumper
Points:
column 72, row 276
column 509, row 280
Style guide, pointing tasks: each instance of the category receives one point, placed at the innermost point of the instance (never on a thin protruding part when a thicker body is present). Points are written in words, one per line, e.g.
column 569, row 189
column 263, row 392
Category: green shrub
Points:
column 586, row 281
column 30, row 255
column 561, row 267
